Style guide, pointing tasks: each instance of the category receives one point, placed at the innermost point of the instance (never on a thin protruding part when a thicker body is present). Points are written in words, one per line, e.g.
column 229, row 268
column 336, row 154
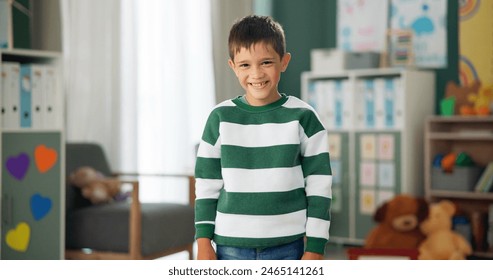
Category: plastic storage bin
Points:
column 461, row 179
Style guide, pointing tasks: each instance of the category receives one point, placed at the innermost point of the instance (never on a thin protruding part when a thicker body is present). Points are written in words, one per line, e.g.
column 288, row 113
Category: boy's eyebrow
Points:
column 262, row 59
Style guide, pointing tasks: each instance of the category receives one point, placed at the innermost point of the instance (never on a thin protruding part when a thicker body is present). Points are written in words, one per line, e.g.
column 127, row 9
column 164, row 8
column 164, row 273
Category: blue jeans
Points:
column 290, row 251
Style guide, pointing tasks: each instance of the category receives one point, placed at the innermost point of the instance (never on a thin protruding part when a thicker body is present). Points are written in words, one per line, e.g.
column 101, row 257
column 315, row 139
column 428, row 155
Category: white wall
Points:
column 224, row 13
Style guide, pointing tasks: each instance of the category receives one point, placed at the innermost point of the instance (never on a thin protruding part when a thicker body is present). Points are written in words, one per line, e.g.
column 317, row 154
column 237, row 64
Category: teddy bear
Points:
column 460, row 94
column 398, row 223
column 441, row 242
column 94, row 185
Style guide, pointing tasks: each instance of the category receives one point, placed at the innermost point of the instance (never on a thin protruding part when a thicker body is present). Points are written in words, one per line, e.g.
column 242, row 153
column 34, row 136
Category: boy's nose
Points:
column 256, row 72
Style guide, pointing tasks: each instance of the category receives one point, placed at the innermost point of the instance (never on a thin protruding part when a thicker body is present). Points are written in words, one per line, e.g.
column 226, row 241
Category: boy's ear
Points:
column 285, row 61
column 232, row 65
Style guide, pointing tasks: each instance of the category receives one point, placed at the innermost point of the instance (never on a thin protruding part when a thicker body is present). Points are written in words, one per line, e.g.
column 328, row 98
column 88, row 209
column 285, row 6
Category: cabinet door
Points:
column 339, row 160
column 378, row 175
column 32, row 195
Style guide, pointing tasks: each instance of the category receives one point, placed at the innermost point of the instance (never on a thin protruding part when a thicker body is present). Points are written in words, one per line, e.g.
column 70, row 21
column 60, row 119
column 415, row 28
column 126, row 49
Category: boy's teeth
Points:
column 257, row 84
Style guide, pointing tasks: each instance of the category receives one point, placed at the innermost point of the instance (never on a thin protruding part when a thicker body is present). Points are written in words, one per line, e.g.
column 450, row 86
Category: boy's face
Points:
column 258, row 70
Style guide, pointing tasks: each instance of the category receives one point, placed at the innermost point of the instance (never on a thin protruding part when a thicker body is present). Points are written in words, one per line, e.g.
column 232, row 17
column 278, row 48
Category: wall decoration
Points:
column 476, row 42
column 45, row 158
column 40, row 206
column 386, row 147
column 368, row 176
column 368, row 146
column 427, row 20
column 336, row 203
column 335, row 145
column 384, row 196
column 386, row 175
column 18, row 239
column 17, row 166
column 362, row 25
column 367, row 201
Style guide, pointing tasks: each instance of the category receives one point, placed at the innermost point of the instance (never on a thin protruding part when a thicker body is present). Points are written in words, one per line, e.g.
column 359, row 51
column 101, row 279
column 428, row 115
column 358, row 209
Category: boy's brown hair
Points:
column 253, row 29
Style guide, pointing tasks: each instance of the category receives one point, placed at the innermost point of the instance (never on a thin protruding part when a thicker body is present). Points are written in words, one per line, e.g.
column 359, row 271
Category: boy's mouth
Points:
column 258, row 85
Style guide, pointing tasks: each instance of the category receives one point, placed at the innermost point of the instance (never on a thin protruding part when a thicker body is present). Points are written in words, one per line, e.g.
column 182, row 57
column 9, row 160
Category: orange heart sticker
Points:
column 45, row 158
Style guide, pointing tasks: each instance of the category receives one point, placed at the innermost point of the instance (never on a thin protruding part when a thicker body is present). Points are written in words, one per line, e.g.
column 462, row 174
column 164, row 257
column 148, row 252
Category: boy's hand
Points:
column 205, row 250
column 312, row 256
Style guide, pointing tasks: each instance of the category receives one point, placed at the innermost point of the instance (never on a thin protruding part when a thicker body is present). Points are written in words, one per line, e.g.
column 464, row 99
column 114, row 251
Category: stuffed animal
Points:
column 398, row 223
column 463, row 105
column 441, row 242
column 482, row 101
column 94, row 185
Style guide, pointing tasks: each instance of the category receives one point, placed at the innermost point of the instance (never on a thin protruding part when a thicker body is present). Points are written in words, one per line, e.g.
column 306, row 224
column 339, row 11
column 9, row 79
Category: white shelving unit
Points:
column 375, row 120
column 33, row 159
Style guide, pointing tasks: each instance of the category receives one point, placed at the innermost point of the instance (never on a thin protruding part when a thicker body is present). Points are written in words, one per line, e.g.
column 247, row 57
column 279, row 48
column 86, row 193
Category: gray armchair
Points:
column 122, row 230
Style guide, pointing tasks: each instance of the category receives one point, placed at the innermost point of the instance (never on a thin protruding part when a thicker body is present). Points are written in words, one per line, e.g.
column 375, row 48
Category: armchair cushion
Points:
column 89, row 227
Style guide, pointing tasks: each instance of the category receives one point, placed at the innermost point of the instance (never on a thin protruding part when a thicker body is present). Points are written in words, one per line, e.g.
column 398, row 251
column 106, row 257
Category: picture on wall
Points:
column 362, row 25
column 427, row 20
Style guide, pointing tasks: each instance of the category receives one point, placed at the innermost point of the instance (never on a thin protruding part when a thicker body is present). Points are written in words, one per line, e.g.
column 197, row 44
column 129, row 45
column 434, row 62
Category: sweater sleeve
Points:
column 318, row 182
column 208, row 178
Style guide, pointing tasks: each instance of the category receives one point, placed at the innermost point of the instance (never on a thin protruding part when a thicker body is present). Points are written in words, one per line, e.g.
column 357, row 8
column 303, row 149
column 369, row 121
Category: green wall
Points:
column 310, row 24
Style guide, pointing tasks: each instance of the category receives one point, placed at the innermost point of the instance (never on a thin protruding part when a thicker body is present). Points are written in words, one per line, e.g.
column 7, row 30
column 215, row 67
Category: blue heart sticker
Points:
column 40, row 206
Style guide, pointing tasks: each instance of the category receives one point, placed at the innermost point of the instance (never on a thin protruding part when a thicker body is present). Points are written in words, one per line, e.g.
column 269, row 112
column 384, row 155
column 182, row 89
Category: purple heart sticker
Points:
column 18, row 165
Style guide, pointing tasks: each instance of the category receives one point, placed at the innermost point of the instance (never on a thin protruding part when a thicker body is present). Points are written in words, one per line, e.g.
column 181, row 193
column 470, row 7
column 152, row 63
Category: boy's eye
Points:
column 243, row 65
column 267, row 62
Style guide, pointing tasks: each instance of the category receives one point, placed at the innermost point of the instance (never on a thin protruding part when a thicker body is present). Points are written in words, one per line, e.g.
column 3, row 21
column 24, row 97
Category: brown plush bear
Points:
column 94, row 186
column 398, row 223
column 441, row 242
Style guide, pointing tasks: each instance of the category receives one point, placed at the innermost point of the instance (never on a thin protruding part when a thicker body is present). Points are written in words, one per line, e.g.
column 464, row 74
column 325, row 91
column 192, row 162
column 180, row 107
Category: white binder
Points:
column 53, row 113
column 379, row 90
column 348, row 105
column 25, row 81
column 37, row 96
column 10, row 95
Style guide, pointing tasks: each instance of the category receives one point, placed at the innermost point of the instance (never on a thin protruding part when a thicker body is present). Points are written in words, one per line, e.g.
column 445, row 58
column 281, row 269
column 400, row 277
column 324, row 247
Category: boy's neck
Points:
column 245, row 99
column 242, row 102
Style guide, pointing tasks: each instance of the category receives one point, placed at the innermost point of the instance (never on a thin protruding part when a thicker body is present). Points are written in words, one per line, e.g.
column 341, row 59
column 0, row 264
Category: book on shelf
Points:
column 485, row 182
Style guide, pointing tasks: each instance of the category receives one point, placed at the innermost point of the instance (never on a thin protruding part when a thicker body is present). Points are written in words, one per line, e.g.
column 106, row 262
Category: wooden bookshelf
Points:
column 474, row 136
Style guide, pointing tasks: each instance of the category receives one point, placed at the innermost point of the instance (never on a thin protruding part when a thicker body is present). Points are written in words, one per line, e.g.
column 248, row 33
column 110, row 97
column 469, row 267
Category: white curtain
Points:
column 140, row 81
column 171, row 61
column 91, row 48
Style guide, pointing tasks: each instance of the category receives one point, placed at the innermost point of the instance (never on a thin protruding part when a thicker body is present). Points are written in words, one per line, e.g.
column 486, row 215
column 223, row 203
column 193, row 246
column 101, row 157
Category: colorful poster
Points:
column 362, row 25
column 476, row 42
column 427, row 21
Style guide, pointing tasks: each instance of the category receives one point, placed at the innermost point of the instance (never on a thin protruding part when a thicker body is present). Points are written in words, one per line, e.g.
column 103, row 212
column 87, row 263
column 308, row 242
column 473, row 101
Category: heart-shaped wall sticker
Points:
column 18, row 238
column 40, row 206
column 45, row 158
column 18, row 165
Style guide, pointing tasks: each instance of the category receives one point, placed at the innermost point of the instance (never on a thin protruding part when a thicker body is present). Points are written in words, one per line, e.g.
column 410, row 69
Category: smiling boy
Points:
column 263, row 176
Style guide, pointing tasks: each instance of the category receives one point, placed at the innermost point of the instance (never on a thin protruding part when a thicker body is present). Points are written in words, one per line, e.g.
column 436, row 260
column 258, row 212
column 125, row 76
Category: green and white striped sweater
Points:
column 263, row 176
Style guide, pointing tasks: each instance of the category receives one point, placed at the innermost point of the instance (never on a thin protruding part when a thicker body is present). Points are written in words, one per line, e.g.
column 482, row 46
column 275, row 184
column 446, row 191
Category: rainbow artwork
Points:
column 476, row 42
